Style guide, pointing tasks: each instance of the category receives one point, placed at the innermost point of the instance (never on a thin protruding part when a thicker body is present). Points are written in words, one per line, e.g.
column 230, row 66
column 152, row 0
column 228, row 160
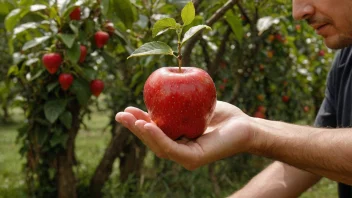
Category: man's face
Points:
column 332, row 19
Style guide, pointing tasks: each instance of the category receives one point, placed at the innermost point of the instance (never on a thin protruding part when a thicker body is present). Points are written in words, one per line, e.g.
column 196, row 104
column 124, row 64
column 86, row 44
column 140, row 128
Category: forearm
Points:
column 278, row 179
column 325, row 152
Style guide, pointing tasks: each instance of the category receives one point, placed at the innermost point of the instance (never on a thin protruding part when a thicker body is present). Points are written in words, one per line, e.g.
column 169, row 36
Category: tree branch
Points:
column 244, row 13
column 214, row 18
column 213, row 69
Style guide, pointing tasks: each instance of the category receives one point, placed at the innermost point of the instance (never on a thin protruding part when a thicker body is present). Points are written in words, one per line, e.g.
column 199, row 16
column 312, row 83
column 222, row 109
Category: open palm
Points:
column 227, row 134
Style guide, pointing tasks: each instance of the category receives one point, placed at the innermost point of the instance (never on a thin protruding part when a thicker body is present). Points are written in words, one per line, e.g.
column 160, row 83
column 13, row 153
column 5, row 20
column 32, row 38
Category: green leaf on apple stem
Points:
column 68, row 39
column 163, row 24
column 192, row 31
column 188, row 13
column 153, row 48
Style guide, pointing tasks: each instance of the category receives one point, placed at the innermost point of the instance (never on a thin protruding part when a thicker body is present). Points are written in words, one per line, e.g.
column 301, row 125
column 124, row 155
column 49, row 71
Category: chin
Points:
column 338, row 42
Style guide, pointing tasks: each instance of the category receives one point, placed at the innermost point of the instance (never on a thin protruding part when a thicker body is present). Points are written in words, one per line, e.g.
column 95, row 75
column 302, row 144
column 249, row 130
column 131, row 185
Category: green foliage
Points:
column 53, row 114
column 163, row 25
column 252, row 65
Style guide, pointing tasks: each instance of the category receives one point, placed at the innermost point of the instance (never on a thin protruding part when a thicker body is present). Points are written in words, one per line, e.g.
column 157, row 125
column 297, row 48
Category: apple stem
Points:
column 179, row 57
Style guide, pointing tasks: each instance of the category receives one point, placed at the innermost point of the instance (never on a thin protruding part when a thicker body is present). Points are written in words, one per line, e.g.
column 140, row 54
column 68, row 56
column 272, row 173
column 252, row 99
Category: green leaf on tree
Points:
column 52, row 86
column 62, row 6
column 53, row 109
column 123, row 9
column 66, row 119
column 67, row 39
column 163, row 24
column 59, row 138
column 74, row 53
column 41, row 134
column 14, row 17
column 82, row 91
column 37, row 75
column 188, row 13
column 13, row 70
column 24, row 27
column 192, row 31
column 153, row 48
column 104, row 5
column 89, row 73
column 37, row 7
column 236, row 25
column 74, row 28
column 35, row 42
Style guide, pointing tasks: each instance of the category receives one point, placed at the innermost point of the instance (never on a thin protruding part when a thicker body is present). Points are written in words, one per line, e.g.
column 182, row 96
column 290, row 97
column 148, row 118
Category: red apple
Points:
column 259, row 114
column 222, row 87
column 96, row 87
column 182, row 102
column 261, row 67
column 298, row 27
column 65, row 81
column 261, row 109
column 278, row 37
column 260, row 97
column 109, row 26
column 285, row 98
column 101, row 38
column 321, row 53
column 76, row 14
column 83, row 55
column 306, row 108
column 52, row 62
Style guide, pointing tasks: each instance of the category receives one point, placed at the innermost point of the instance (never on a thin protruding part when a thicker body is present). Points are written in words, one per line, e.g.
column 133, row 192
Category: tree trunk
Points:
column 130, row 163
column 132, row 160
column 66, row 159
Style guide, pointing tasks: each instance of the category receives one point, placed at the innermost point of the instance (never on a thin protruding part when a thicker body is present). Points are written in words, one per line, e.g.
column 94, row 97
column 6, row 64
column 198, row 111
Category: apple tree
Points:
column 59, row 62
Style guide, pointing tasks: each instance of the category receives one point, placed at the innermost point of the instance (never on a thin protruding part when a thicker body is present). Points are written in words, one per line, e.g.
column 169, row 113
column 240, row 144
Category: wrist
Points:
column 260, row 141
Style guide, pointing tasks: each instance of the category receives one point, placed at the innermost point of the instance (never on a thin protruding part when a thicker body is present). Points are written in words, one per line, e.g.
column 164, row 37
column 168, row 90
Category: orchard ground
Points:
column 90, row 146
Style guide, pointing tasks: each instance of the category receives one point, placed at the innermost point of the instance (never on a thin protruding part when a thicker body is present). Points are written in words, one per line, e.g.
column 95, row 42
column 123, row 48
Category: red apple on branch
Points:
column 101, row 38
column 52, row 62
column 65, row 81
column 96, row 87
column 83, row 55
column 76, row 14
column 182, row 102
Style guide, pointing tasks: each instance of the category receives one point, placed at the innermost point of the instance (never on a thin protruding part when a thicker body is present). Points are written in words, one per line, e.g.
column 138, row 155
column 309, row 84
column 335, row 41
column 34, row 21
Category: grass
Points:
column 90, row 146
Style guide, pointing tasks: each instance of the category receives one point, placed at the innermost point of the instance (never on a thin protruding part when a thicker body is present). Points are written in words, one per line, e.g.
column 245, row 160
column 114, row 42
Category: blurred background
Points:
column 65, row 142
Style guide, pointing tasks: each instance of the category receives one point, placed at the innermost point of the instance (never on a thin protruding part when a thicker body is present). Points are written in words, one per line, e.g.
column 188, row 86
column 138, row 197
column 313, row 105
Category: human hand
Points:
column 228, row 133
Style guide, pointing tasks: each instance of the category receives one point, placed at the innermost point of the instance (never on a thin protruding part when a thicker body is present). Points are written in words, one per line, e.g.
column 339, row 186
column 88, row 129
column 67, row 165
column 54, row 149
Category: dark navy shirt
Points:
column 336, row 109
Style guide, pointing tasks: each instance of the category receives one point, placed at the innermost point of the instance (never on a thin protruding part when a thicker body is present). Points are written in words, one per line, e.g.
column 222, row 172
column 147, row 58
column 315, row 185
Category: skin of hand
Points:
column 220, row 140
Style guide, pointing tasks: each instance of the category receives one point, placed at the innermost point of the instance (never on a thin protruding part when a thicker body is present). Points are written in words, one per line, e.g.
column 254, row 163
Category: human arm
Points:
column 278, row 179
column 325, row 152
column 322, row 151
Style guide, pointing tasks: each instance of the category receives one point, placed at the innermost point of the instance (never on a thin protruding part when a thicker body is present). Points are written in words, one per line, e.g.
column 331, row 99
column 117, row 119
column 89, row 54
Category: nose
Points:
column 302, row 9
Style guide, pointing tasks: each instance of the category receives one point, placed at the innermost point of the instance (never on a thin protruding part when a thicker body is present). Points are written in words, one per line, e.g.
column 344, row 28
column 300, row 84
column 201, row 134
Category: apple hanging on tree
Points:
column 52, row 62
column 180, row 100
column 96, row 87
column 65, row 81
column 76, row 14
column 83, row 54
column 101, row 38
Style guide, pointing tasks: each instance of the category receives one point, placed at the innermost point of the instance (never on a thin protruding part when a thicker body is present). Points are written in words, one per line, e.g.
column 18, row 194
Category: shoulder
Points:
column 343, row 57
